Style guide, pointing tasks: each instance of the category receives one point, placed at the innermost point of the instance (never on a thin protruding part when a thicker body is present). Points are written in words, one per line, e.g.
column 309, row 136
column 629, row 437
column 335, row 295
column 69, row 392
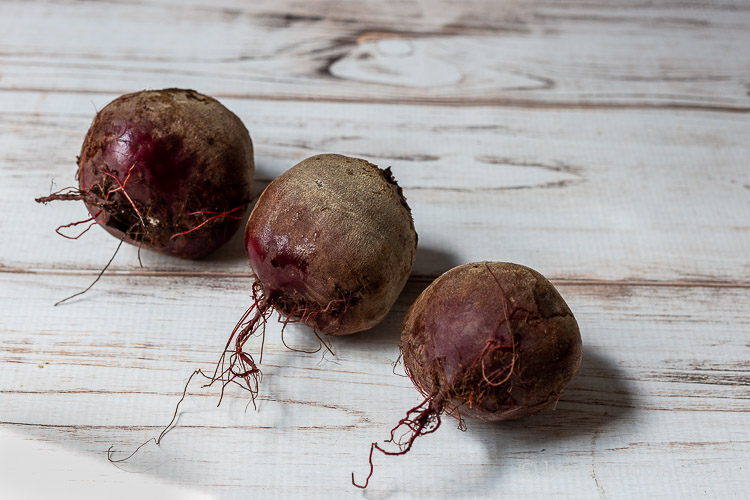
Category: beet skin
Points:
column 185, row 163
column 332, row 243
column 491, row 341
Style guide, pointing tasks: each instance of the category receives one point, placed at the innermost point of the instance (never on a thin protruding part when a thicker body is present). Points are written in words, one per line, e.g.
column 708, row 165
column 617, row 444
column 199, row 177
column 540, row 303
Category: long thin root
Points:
column 421, row 420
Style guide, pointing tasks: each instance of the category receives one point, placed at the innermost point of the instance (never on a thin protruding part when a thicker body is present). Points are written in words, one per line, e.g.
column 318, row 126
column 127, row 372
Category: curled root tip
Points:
column 372, row 469
column 110, row 452
column 361, row 486
column 421, row 420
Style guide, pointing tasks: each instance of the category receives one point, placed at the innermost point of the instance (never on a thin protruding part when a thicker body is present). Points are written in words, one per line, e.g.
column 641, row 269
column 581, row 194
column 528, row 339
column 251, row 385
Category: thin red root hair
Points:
column 421, row 420
column 214, row 215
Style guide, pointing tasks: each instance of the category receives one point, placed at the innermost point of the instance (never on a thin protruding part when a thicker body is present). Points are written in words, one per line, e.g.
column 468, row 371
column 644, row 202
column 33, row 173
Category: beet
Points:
column 489, row 341
column 167, row 170
column 331, row 243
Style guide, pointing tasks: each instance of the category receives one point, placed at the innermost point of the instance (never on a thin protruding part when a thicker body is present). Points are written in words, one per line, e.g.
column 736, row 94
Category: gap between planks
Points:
column 436, row 101
column 414, row 278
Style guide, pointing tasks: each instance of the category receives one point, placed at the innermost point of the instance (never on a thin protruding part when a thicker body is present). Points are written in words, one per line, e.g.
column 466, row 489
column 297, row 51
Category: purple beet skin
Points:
column 170, row 170
column 489, row 341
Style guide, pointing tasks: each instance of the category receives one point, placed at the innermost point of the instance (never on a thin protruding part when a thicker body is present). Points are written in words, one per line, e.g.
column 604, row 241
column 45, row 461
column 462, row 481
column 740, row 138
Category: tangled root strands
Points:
column 421, row 420
column 235, row 365
column 124, row 192
column 92, row 219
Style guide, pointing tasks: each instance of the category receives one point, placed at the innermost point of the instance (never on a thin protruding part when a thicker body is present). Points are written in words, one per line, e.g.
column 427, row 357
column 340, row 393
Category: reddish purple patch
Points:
column 281, row 269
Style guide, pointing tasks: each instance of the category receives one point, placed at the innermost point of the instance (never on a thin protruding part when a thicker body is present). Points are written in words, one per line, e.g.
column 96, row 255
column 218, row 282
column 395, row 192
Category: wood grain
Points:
column 656, row 398
column 603, row 143
column 682, row 55
column 615, row 195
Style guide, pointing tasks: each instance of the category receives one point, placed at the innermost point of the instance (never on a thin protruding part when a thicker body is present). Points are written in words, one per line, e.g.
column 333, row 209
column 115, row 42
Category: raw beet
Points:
column 168, row 170
column 332, row 233
column 331, row 243
column 488, row 340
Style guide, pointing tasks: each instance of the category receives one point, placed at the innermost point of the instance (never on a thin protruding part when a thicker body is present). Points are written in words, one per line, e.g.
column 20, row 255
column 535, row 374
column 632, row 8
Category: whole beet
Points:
column 331, row 243
column 169, row 170
column 491, row 341
column 332, row 235
column 488, row 340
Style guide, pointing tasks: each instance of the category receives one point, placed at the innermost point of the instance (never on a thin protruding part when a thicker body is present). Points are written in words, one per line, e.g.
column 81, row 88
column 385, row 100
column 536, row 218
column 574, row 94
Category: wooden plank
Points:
column 520, row 53
column 659, row 407
column 602, row 142
column 577, row 194
column 69, row 475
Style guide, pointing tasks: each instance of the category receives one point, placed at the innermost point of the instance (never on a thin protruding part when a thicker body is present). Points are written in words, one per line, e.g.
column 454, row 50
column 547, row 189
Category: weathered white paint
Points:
column 578, row 194
column 659, row 406
column 568, row 53
column 603, row 143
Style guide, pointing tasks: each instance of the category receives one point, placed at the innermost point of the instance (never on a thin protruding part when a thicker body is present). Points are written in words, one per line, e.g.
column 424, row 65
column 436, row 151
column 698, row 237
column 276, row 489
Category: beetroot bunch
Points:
column 331, row 243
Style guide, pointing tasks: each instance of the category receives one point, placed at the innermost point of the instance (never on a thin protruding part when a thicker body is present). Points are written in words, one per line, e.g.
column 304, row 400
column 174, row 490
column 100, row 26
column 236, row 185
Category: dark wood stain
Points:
column 491, row 189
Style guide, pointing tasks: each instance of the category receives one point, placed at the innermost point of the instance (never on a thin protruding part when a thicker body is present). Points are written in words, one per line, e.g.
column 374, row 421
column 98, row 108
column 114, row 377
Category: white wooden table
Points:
column 606, row 144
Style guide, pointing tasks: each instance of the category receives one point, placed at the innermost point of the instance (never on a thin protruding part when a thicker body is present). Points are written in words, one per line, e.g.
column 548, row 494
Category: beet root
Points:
column 168, row 170
column 331, row 243
column 488, row 340
column 491, row 359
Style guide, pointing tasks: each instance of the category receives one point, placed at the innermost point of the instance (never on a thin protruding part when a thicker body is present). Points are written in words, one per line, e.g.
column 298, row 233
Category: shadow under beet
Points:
column 432, row 262
column 386, row 335
column 597, row 401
